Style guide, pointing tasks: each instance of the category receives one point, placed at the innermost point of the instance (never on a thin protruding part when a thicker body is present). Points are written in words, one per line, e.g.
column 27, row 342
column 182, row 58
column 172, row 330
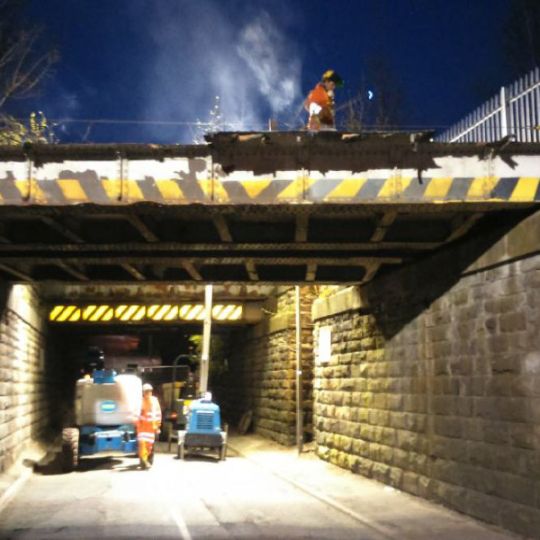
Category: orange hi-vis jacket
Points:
column 149, row 420
column 320, row 96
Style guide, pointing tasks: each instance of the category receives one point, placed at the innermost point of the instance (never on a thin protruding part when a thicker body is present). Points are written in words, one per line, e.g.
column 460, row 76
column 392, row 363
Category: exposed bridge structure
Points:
column 251, row 207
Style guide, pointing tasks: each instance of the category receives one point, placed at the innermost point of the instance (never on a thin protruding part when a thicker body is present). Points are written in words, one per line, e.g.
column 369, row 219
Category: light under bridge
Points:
column 252, row 207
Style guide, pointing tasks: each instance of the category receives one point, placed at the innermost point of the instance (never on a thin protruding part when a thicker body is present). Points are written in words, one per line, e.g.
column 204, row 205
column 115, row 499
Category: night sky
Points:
column 166, row 60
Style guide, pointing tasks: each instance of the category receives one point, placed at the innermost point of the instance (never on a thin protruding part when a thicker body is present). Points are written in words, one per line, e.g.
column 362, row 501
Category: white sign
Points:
column 325, row 344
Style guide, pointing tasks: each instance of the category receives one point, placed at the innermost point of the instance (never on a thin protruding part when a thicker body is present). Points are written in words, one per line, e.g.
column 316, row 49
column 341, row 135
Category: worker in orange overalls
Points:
column 147, row 426
column 320, row 102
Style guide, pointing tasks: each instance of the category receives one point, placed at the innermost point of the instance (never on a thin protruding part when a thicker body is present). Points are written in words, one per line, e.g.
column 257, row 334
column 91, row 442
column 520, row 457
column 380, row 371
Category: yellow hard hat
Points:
column 331, row 75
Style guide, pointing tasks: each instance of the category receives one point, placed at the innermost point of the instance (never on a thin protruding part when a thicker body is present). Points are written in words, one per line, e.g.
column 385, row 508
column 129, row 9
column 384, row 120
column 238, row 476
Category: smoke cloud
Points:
column 267, row 52
column 199, row 53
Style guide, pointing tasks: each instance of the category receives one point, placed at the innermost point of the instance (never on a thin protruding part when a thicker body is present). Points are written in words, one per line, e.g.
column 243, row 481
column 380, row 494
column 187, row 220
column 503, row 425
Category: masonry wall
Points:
column 264, row 364
column 433, row 384
column 24, row 410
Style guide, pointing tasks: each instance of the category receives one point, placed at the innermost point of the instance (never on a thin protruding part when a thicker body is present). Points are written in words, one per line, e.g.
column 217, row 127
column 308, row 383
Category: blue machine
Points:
column 105, row 404
column 107, row 439
column 203, row 430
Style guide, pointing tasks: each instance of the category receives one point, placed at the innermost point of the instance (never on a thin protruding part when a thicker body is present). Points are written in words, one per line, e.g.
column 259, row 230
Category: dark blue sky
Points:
column 166, row 60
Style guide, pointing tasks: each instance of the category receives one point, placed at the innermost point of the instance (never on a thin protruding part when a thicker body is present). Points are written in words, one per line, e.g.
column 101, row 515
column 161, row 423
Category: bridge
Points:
column 252, row 207
column 421, row 378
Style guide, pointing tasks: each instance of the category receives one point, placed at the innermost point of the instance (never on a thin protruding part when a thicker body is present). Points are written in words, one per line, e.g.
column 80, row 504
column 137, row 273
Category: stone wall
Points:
column 264, row 364
column 24, row 410
column 433, row 384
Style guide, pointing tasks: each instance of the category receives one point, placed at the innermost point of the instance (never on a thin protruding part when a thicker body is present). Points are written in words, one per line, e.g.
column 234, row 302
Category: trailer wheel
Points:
column 181, row 451
column 223, row 452
column 70, row 449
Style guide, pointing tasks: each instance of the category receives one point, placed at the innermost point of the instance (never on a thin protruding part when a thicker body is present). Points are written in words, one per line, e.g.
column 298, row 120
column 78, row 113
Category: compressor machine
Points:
column 106, row 408
column 203, row 430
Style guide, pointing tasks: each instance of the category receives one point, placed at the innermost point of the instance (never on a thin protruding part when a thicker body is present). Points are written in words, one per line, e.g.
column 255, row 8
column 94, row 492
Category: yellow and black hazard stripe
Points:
column 139, row 313
column 89, row 188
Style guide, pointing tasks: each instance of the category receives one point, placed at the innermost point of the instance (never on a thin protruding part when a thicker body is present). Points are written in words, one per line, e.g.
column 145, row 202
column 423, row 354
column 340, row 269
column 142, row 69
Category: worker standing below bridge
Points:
column 148, row 426
column 320, row 102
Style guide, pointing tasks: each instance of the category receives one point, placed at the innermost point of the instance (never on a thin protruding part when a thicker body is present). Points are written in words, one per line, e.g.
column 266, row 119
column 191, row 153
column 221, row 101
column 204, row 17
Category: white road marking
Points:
column 180, row 523
column 159, row 481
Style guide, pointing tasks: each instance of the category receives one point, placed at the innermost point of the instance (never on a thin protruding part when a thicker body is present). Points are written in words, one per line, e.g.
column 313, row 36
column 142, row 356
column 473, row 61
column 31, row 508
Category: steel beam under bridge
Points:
column 254, row 207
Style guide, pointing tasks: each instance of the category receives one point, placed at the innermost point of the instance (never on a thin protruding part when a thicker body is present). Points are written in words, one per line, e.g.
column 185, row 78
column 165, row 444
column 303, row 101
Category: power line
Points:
column 179, row 123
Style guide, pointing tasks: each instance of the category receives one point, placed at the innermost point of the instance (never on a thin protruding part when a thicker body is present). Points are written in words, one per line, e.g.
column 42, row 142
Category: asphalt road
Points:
column 264, row 491
column 193, row 499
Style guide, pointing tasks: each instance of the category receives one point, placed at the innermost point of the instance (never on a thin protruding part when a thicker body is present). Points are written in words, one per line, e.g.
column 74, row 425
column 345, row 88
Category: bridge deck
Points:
column 273, row 207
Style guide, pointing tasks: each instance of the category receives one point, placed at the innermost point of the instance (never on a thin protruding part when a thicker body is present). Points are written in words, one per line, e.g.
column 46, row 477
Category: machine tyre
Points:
column 70, row 449
column 223, row 452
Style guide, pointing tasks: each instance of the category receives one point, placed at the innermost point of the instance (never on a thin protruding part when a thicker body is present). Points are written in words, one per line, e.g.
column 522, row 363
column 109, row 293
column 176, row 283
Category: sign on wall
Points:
column 325, row 344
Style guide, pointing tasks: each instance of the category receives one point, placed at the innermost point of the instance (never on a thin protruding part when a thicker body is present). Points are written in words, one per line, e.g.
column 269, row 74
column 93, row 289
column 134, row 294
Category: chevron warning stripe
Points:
column 190, row 181
column 138, row 313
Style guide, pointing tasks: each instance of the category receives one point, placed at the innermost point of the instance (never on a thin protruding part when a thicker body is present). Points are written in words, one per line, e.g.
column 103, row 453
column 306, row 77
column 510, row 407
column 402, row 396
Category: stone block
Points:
column 523, row 436
column 496, row 432
column 521, row 519
column 407, row 440
column 448, row 426
column 395, row 478
column 380, row 472
column 365, row 467
column 410, row 483
column 483, row 507
column 515, row 488
column 422, row 485
column 511, row 409
column 513, row 322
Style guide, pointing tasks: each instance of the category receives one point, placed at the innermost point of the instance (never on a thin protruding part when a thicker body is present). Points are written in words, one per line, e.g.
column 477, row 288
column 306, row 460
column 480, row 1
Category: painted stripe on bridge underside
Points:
column 74, row 188
column 149, row 189
column 416, row 189
column 52, row 191
column 504, row 188
column 321, row 189
column 271, row 192
column 459, row 189
column 8, row 190
column 89, row 183
column 525, row 190
column 371, row 189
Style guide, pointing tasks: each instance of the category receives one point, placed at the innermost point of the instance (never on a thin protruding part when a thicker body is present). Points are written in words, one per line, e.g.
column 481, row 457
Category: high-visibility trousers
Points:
column 145, row 443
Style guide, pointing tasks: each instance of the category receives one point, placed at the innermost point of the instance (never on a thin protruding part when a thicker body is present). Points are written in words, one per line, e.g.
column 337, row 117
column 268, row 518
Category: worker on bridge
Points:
column 148, row 426
column 320, row 102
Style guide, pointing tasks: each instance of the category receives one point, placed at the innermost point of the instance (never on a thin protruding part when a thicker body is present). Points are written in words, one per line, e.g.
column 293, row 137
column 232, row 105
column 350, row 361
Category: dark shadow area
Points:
column 207, row 457
column 51, row 464
column 400, row 295
column 239, row 530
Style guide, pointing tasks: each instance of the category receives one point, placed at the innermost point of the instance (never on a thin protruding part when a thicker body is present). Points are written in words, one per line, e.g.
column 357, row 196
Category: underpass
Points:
column 418, row 267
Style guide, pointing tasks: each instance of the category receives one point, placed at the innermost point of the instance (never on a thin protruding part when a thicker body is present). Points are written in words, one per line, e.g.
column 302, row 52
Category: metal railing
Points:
column 514, row 111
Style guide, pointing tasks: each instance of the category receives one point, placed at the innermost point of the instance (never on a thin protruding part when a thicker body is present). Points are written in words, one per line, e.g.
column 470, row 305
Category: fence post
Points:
column 504, row 113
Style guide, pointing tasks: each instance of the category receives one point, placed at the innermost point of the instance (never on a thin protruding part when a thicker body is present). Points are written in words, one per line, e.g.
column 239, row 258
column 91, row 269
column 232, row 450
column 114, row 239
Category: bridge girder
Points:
column 256, row 207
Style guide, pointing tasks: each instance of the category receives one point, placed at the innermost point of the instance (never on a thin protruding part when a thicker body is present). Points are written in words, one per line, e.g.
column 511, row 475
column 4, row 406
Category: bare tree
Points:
column 24, row 64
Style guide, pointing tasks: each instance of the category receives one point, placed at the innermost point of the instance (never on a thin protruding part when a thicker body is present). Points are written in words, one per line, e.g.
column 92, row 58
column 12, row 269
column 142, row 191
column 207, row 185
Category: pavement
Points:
column 385, row 510
column 15, row 476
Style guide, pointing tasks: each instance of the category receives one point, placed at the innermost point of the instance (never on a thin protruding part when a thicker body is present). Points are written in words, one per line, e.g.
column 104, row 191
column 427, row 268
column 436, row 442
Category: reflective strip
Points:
column 145, row 436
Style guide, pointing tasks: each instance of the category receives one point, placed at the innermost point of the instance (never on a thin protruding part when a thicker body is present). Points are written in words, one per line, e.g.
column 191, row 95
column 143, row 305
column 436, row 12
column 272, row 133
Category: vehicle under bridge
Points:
column 418, row 269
